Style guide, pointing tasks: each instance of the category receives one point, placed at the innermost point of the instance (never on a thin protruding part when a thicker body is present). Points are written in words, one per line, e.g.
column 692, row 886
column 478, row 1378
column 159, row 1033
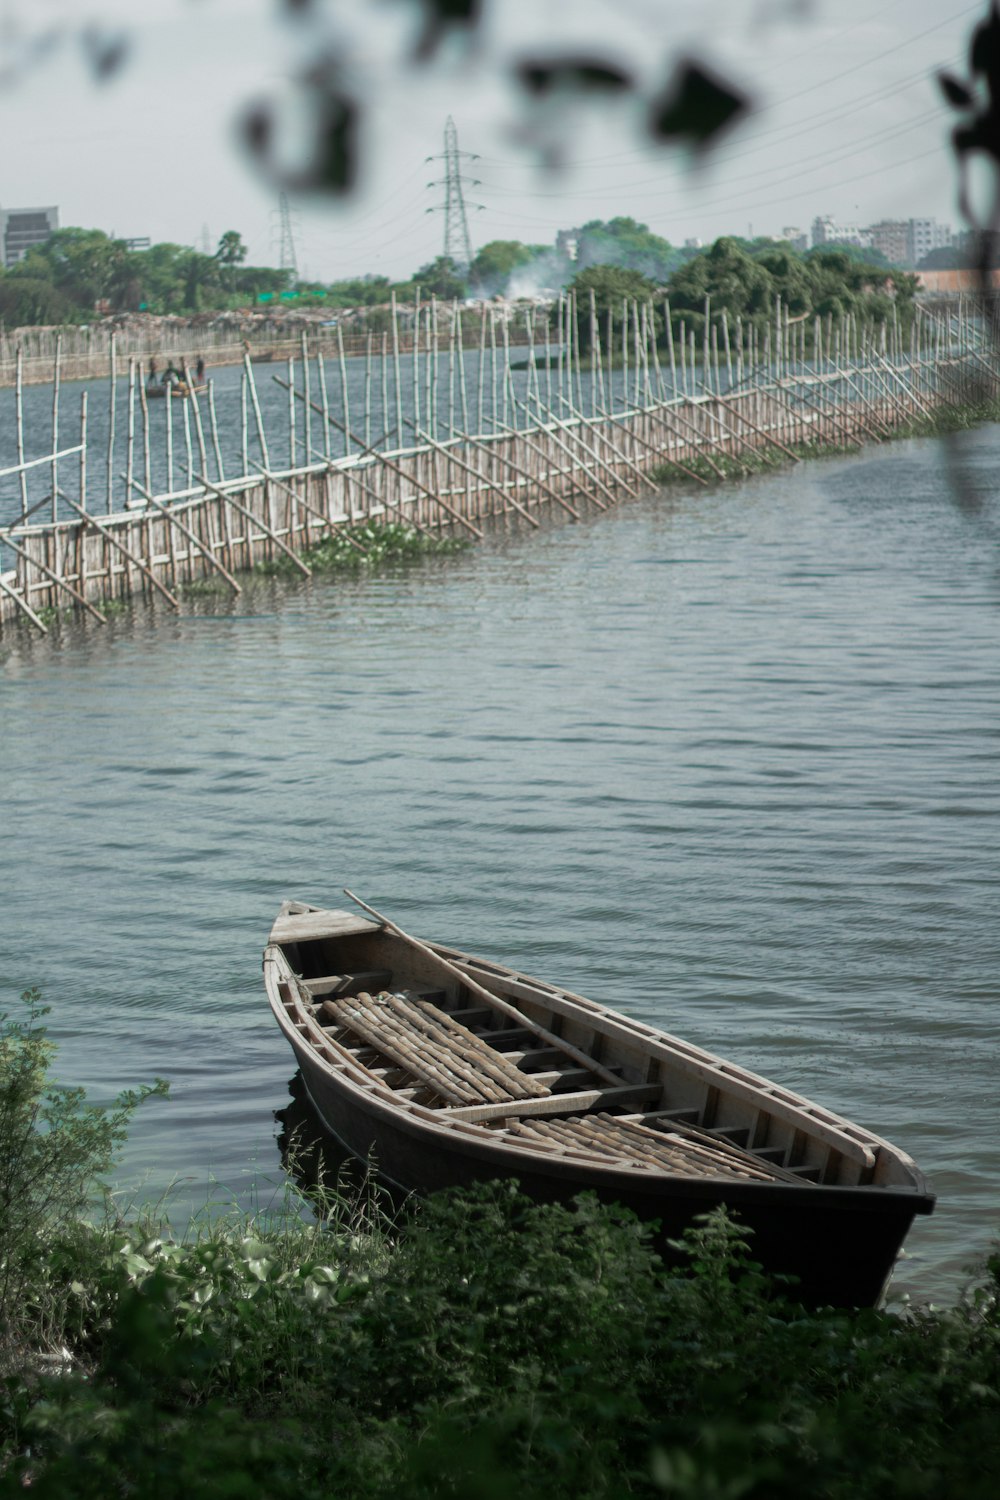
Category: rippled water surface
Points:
column 726, row 760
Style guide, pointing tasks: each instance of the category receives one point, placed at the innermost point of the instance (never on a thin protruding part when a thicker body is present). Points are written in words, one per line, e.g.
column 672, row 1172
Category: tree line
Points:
column 78, row 274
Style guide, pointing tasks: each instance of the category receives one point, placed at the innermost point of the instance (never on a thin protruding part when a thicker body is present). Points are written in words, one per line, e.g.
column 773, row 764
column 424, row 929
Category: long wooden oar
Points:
column 503, row 1006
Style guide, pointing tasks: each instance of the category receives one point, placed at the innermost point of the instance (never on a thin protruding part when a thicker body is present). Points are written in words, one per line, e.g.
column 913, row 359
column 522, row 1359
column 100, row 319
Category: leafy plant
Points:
column 54, row 1148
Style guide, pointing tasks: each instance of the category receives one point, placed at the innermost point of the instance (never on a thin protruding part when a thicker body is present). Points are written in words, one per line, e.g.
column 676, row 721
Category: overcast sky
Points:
column 848, row 120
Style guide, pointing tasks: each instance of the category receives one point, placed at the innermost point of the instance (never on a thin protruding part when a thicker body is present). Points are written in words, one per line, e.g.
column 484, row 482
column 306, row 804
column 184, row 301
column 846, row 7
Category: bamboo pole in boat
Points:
column 120, row 546
column 504, row 1007
column 185, row 530
column 249, row 514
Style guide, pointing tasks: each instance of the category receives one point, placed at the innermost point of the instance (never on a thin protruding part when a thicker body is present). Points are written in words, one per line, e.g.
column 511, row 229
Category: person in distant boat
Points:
column 171, row 375
column 199, row 371
column 153, row 367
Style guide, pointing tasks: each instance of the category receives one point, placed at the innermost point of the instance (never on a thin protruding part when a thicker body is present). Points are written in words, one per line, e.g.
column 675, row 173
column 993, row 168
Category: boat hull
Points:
column 838, row 1244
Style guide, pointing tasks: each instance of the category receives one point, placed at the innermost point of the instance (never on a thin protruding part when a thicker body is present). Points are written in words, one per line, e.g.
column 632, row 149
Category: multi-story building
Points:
column 892, row 238
column 797, row 238
column 20, row 228
column 925, row 235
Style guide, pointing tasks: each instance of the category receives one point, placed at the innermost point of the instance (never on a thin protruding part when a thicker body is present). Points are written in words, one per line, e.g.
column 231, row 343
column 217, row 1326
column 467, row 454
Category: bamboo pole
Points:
column 22, row 605
column 120, row 546
column 307, row 388
column 583, row 469
column 506, row 498
column 269, row 531
column 49, row 573
column 112, row 383
column 407, row 478
column 130, row 439
column 258, row 419
column 318, row 514
column 504, row 1007
column 731, row 406
column 185, row 530
column 345, row 395
column 658, row 453
column 56, row 373
column 619, row 453
column 19, row 422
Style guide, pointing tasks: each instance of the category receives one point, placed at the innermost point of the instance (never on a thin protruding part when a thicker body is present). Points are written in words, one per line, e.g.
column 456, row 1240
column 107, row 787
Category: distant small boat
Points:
column 450, row 1069
column 180, row 390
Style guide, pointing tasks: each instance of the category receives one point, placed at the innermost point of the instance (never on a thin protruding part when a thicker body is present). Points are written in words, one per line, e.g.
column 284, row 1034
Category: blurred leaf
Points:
column 580, row 74
column 956, row 92
column 697, row 106
column 104, row 51
column 442, row 16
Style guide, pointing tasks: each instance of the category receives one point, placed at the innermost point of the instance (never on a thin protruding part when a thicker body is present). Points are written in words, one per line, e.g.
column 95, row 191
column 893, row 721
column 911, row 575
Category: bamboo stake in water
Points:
column 384, row 372
column 113, row 372
column 258, row 419
column 395, row 358
column 307, row 405
column 291, row 413
column 56, row 372
column 19, row 420
column 144, row 413
column 325, row 403
column 345, row 398
column 214, row 425
column 130, row 444
column 169, row 394
column 244, row 426
column 368, row 395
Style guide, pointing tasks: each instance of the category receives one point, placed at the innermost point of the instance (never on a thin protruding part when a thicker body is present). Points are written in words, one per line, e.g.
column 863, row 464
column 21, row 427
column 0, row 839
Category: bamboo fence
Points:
column 576, row 441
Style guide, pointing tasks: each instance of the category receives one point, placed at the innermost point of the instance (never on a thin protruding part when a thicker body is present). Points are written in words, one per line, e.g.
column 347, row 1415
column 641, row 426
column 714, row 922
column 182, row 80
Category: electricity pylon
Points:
column 457, row 243
column 287, row 260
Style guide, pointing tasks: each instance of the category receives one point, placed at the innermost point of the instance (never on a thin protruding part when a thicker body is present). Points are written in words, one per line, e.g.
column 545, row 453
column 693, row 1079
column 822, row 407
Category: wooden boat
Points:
column 449, row 1069
column 180, row 391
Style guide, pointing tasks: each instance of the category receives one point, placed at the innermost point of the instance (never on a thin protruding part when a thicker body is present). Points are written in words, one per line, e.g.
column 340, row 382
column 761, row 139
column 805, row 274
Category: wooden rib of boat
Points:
column 449, row 1069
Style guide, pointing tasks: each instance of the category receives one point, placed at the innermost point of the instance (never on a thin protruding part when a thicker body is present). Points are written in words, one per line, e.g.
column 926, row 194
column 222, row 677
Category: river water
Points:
column 724, row 759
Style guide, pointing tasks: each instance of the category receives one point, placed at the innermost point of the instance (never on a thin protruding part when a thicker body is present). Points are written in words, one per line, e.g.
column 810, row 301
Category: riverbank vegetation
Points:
column 478, row 1346
column 79, row 273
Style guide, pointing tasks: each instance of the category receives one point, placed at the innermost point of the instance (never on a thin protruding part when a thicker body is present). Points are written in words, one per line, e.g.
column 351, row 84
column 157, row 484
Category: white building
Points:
column 20, row 228
column 925, row 235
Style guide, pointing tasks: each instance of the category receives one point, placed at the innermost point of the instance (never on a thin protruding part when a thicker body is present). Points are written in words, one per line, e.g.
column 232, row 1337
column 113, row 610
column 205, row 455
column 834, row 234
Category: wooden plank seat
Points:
column 615, row 1139
column 429, row 1046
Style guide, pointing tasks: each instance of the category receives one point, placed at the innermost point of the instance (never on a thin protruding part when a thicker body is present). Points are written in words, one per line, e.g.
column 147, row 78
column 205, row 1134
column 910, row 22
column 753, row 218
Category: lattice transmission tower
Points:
column 287, row 258
column 457, row 243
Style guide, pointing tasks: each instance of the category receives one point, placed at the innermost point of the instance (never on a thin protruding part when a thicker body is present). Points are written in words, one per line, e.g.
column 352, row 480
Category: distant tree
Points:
column 624, row 242
column 27, row 301
column 613, row 287
column 441, row 278
column 492, row 266
column 735, row 282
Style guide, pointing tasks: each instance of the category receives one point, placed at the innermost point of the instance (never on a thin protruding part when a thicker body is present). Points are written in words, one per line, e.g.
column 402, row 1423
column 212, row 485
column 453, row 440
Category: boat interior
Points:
column 479, row 1047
